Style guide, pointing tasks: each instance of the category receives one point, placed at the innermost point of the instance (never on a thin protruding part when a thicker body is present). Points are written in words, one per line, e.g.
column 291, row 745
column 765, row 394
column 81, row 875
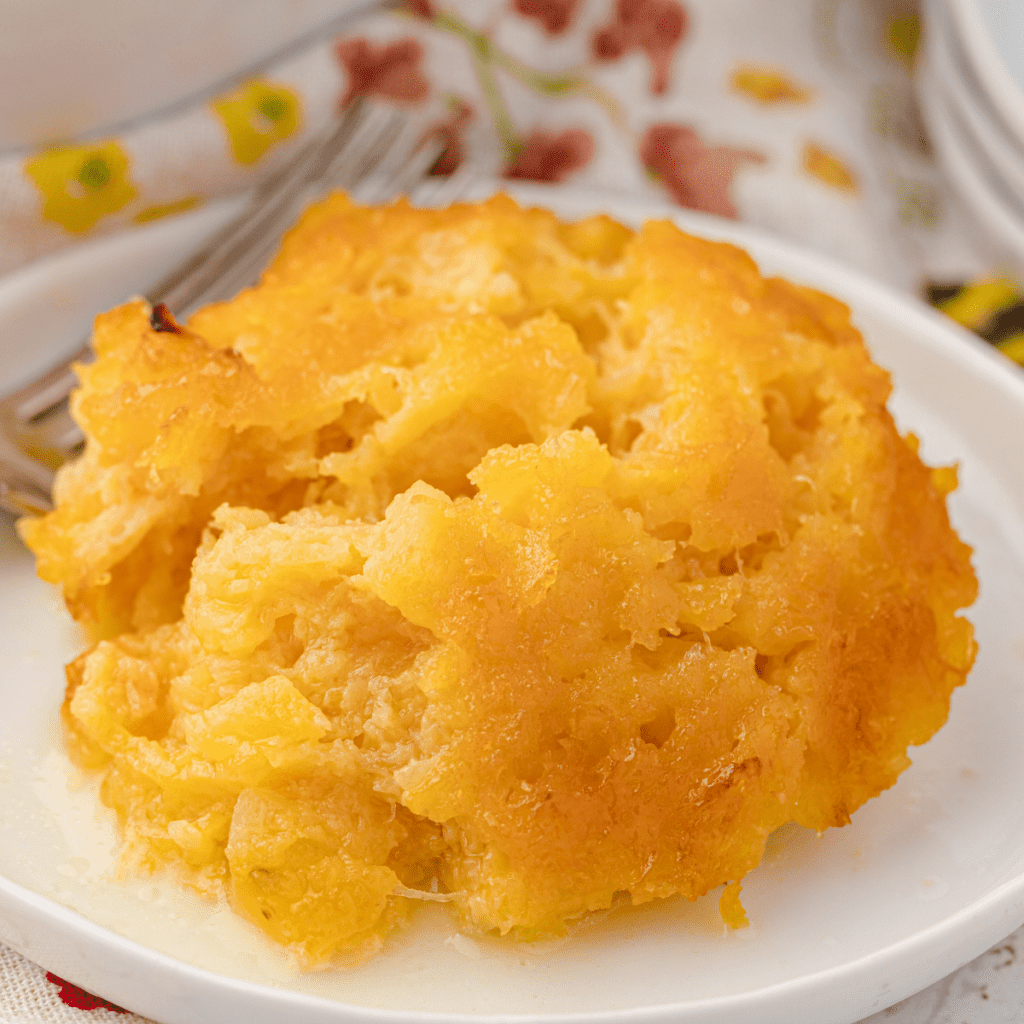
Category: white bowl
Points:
column 928, row 875
column 992, row 35
column 69, row 70
column 973, row 177
column 981, row 124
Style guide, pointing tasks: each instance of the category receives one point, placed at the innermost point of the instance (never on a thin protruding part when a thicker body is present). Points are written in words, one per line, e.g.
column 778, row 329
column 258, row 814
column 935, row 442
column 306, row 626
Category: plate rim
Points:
column 754, row 1001
column 988, row 918
column 987, row 62
column 979, row 118
column 975, row 183
column 183, row 99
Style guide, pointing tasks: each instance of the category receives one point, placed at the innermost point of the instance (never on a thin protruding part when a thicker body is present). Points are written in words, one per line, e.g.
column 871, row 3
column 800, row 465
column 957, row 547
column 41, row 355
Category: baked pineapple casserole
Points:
column 537, row 565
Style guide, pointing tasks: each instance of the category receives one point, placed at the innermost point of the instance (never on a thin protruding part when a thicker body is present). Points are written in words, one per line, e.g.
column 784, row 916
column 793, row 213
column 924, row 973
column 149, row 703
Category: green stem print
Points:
column 488, row 57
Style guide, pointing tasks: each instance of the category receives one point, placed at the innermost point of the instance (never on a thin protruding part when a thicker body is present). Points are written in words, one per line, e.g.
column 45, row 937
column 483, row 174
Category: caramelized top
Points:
column 542, row 563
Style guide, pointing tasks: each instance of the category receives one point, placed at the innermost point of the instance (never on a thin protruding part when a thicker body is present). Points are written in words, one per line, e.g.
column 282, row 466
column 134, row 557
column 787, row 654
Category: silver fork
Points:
column 375, row 153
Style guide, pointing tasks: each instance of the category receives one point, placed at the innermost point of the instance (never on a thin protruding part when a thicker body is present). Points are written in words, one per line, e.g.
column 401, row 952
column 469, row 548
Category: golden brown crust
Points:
column 537, row 562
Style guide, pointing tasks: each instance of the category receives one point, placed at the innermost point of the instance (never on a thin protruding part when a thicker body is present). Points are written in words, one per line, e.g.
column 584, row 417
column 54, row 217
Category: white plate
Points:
column 992, row 34
column 1004, row 20
column 89, row 69
column 976, row 181
column 982, row 126
column 926, row 877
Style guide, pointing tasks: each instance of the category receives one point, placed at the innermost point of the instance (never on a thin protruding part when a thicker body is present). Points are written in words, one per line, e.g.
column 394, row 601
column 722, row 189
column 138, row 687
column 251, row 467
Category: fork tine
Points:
column 374, row 152
column 379, row 129
column 42, row 394
column 275, row 200
column 344, row 157
column 391, row 181
column 53, row 435
column 443, row 191
column 24, row 483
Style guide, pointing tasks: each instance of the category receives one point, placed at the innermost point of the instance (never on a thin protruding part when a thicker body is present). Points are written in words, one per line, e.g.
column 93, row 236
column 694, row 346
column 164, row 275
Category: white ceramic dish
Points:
column 966, row 166
column 83, row 69
column 992, row 34
column 1004, row 20
column 926, row 877
column 983, row 128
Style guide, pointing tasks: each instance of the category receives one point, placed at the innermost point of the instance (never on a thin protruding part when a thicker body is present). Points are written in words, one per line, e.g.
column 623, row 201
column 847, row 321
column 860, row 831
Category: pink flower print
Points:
column 554, row 15
column 552, row 156
column 450, row 132
column 391, row 71
column 421, row 8
column 696, row 175
column 655, row 26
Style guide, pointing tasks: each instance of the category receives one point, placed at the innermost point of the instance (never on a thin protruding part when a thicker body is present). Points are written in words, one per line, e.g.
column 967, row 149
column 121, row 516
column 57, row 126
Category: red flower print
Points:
column 697, row 175
column 554, row 15
column 421, row 8
column 77, row 997
column 391, row 71
column 829, row 168
column 450, row 132
column 552, row 156
column 655, row 26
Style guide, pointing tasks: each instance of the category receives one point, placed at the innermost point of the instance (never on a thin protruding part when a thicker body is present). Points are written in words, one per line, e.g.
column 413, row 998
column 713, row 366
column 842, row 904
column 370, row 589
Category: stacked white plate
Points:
column 971, row 87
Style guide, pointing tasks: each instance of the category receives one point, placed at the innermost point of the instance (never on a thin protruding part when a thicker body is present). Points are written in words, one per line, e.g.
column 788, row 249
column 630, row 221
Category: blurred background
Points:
column 887, row 133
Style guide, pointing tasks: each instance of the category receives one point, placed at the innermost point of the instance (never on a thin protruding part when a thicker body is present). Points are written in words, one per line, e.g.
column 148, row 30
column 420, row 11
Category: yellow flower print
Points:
column 257, row 116
column 828, row 167
column 768, row 85
column 978, row 302
column 904, row 35
column 1013, row 347
column 81, row 184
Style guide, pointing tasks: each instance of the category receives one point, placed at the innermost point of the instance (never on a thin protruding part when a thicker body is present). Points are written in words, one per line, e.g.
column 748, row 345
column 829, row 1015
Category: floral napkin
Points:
column 798, row 117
